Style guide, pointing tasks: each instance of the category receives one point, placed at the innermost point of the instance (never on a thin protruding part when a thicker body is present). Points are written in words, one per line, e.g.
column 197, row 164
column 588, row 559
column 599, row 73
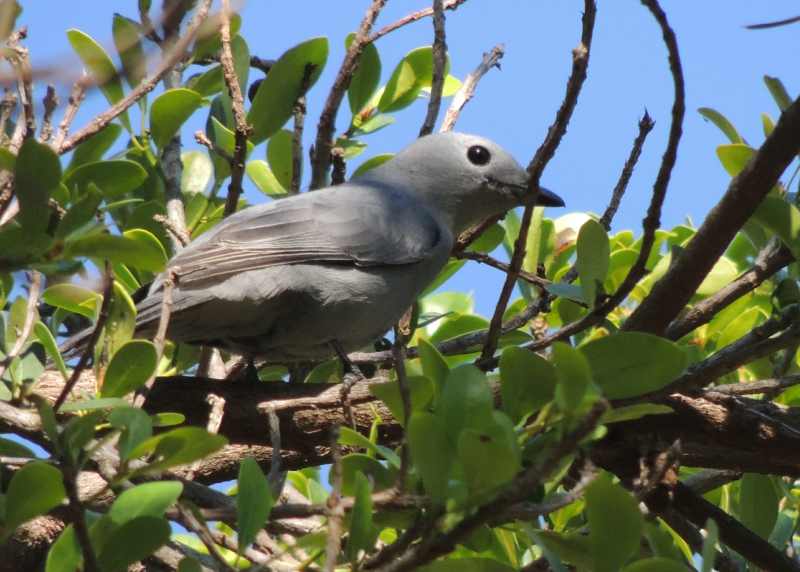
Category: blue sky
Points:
column 723, row 65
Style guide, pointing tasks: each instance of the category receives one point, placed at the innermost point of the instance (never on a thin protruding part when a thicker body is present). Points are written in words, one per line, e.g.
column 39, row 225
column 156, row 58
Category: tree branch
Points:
column 467, row 89
column 439, row 62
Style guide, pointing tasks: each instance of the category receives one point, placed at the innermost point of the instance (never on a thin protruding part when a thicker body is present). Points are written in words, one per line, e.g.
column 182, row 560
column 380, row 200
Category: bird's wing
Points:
column 349, row 224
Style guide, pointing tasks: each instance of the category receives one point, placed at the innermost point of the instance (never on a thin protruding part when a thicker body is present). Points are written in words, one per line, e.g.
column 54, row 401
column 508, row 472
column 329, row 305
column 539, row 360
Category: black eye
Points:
column 478, row 155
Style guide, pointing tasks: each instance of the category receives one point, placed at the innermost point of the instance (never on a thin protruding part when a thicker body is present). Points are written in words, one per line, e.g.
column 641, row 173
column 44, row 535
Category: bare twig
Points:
column 467, row 89
column 770, row 260
column 758, row 386
column 275, row 476
column 241, row 128
column 50, row 104
column 545, row 152
column 179, row 234
column 108, row 292
column 646, row 125
column 670, row 294
column 413, row 17
column 31, row 315
column 190, row 521
column 175, row 54
column 500, row 265
column 78, row 518
column 75, row 99
column 323, row 144
column 439, row 61
column 472, row 234
column 335, row 510
column 399, row 351
column 297, row 143
column 17, row 56
column 161, row 333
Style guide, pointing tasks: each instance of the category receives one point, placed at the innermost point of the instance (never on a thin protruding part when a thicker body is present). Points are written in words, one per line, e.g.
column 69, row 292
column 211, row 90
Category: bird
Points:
column 328, row 271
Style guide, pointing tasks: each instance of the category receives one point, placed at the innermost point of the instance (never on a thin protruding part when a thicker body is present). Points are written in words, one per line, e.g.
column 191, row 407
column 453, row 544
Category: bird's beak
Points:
column 548, row 198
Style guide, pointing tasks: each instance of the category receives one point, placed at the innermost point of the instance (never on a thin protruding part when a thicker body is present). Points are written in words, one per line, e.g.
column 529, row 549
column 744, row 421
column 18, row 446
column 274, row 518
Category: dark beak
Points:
column 548, row 199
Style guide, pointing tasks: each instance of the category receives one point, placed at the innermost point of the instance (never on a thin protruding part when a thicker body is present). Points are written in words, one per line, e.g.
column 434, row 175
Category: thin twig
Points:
column 494, row 263
column 335, row 510
column 241, row 128
column 275, row 476
column 78, row 518
column 467, row 89
column 190, row 521
column 76, row 97
column 88, row 351
column 646, row 125
column 770, row 260
column 31, row 315
column 161, row 333
column 399, row 352
column 19, row 59
column 545, row 152
column 439, row 61
column 181, row 235
column 323, row 144
column 50, row 103
column 413, row 17
column 175, row 54
column 297, row 144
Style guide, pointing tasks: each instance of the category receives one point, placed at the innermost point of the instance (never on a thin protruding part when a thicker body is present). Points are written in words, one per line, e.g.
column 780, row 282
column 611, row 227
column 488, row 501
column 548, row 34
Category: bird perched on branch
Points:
column 334, row 269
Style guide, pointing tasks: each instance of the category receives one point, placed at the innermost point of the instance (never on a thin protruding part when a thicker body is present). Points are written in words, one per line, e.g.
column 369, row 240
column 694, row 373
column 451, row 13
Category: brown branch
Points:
column 758, row 386
column 19, row 59
column 646, row 125
column 670, row 294
column 439, row 62
column 770, row 260
column 413, row 17
column 161, row 333
column 175, row 55
column 78, row 519
column 31, row 315
column 297, row 144
column 50, row 103
column 242, row 129
column 335, row 510
column 494, row 263
column 108, row 292
column 472, row 234
column 191, row 522
column 467, row 89
column 181, row 235
column 545, row 152
column 323, row 144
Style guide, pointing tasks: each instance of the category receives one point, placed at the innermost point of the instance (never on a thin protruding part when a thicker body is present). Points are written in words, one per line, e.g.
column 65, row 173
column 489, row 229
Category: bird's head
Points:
column 465, row 178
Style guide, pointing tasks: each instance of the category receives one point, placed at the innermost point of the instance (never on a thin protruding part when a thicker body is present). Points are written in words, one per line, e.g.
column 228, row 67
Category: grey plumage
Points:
column 285, row 279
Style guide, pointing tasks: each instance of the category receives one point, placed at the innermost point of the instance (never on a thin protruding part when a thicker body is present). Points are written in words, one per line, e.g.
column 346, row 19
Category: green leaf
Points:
column 93, row 404
column 83, row 212
column 135, row 425
column 95, row 146
column 593, row 257
column 9, row 11
column 189, row 564
column 527, row 382
column 197, row 172
column 151, row 249
column 782, row 218
column 734, row 157
column 353, row 438
column 767, row 124
column 208, row 83
column 100, row 67
column 131, row 250
column 466, row 564
column 115, row 178
column 362, row 531
column 489, row 239
column 365, row 80
column 45, row 337
column 573, row 548
column 421, row 389
column 627, row 364
column 169, row 111
column 279, row 155
column 376, row 471
column 37, row 175
column 656, row 564
column 414, row 72
column 495, row 441
column 276, row 96
column 73, row 298
column 722, row 123
column 130, row 368
column 371, row 163
column 225, row 139
column 7, row 159
column 127, row 40
column 630, row 412
column 121, row 321
column 264, row 179
column 253, row 502
column 133, row 541
column 758, row 503
column 742, row 324
column 574, row 376
column 466, row 401
column 13, row 449
column 148, row 499
column 615, row 524
column 778, row 92
column 375, row 123
column 710, row 545
column 177, row 447
column 434, row 366
column 34, row 490
column 65, row 554
column 431, row 452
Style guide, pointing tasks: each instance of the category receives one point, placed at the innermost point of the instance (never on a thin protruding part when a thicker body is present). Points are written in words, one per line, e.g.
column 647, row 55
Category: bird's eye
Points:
column 478, row 155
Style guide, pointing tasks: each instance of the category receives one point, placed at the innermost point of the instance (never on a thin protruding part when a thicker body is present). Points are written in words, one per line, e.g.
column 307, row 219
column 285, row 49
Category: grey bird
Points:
column 334, row 269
